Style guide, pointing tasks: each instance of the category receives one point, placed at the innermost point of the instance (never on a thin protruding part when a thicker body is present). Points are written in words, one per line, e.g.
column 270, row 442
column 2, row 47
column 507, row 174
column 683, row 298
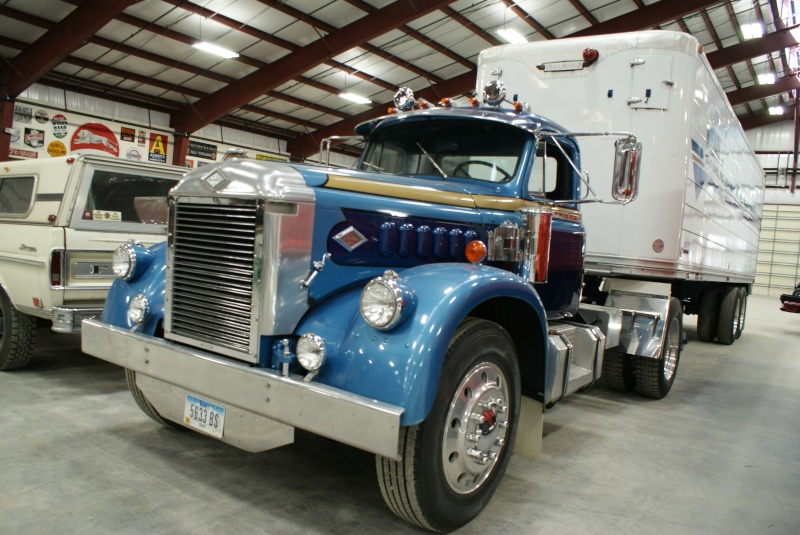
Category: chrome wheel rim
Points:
column 475, row 428
column 737, row 316
column 671, row 349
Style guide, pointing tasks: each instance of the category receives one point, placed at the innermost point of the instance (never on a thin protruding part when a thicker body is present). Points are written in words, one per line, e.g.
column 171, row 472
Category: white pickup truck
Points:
column 60, row 221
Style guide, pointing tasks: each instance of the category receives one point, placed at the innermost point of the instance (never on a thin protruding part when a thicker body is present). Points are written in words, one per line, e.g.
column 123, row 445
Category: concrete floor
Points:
column 719, row 455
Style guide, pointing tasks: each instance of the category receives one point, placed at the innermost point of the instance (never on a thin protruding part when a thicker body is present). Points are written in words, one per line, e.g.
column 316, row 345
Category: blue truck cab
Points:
column 406, row 307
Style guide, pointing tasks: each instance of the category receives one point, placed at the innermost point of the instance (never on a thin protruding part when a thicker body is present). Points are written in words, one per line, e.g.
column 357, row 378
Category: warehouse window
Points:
column 16, row 195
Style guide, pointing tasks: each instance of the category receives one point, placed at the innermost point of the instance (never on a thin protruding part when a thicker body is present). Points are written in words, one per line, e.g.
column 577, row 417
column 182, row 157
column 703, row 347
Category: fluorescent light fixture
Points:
column 766, row 79
column 776, row 110
column 512, row 36
column 358, row 99
column 217, row 50
column 753, row 30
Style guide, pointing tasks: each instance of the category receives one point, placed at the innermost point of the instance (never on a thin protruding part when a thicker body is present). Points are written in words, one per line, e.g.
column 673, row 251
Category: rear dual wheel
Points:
column 655, row 377
column 452, row 462
column 731, row 315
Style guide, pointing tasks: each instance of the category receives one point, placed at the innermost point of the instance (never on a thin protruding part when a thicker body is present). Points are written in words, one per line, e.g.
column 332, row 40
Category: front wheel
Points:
column 654, row 377
column 143, row 403
column 452, row 463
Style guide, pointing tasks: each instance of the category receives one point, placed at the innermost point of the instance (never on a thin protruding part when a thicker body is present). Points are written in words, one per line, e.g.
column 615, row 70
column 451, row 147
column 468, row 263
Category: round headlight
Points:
column 310, row 352
column 382, row 301
column 137, row 309
column 123, row 261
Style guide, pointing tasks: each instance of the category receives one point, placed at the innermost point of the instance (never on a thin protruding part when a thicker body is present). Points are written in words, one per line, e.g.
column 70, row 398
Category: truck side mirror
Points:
column 625, row 185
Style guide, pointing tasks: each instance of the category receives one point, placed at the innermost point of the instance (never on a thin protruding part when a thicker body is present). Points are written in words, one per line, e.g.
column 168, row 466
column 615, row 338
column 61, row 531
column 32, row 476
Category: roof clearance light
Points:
column 446, row 102
column 752, row 31
column 766, row 79
column 776, row 110
column 512, row 36
column 590, row 55
column 358, row 99
column 216, row 50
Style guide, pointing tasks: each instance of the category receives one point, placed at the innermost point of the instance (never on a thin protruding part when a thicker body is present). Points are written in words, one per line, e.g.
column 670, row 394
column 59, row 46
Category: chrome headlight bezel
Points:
column 383, row 301
column 310, row 352
column 123, row 261
column 130, row 260
column 138, row 308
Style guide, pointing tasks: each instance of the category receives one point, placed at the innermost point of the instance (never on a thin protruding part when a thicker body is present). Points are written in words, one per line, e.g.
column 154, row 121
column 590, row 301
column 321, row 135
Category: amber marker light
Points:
column 391, row 110
column 475, row 251
column 446, row 102
column 474, row 102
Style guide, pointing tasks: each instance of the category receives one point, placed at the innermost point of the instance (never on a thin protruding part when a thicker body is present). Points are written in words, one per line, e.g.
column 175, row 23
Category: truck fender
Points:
column 402, row 366
column 151, row 284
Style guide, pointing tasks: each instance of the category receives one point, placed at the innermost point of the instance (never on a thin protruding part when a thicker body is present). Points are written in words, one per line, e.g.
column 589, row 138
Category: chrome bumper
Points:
column 348, row 418
column 68, row 319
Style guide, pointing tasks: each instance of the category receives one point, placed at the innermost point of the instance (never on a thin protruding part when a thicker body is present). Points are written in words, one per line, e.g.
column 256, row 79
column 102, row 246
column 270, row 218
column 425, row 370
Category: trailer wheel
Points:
column 17, row 336
column 708, row 315
column 452, row 462
column 654, row 377
column 618, row 371
column 742, row 311
column 729, row 316
column 143, row 403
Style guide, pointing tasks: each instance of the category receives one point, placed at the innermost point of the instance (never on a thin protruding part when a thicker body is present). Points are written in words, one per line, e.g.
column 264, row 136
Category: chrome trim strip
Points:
column 32, row 311
column 37, row 263
column 355, row 420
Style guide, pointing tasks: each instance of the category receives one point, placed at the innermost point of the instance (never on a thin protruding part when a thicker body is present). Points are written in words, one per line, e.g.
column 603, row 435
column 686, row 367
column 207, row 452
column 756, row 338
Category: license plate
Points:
column 204, row 415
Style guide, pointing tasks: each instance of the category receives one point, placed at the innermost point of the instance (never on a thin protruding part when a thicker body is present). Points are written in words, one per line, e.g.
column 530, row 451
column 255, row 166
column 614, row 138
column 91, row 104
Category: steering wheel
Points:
column 503, row 172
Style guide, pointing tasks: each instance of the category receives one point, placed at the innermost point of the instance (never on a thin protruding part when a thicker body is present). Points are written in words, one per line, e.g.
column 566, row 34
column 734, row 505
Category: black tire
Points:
column 17, row 336
column 618, row 371
column 729, row 315
column 742, row 311
column 655, row 377
column 141, row 401
column 439, row 483
column 708, row 315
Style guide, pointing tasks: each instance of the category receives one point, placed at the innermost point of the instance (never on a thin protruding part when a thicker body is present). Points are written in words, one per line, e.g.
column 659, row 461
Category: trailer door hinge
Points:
column 634, row 100
column 635, row 62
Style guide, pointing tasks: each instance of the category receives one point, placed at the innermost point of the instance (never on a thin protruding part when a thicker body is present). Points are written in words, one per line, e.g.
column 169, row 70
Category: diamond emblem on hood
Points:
column 350, row 238
column 215, row 181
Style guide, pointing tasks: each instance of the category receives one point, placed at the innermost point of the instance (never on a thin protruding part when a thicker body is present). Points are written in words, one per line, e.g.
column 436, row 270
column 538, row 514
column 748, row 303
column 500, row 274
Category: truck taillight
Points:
column 56, row 268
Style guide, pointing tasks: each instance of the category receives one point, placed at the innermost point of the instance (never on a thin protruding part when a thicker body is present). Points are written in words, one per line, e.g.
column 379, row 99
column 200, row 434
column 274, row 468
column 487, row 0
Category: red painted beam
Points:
column 6, row 121
column 757, row 92
column 647, row 17
column 304, row 146
column 761, row 119
column 58, row 43
column 771, row 42
column 209, row 109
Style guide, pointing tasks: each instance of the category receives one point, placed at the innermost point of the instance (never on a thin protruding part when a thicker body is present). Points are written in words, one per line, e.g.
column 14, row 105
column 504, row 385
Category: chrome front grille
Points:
column 213, row 251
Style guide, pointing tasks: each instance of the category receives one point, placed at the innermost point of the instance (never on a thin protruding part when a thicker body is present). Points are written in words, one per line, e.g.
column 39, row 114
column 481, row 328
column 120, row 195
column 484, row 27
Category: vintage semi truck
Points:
column 425, row 306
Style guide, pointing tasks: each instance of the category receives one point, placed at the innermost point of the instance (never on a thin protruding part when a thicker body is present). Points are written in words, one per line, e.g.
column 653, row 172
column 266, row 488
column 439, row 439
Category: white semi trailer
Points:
column 693, row 231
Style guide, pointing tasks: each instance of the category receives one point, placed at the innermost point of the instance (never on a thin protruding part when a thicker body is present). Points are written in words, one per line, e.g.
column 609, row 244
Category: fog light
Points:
column 310, row 352
column 137, row 309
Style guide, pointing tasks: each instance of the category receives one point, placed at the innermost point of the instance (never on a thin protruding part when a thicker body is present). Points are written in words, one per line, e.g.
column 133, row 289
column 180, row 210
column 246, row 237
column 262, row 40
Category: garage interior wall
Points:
column 778, row 263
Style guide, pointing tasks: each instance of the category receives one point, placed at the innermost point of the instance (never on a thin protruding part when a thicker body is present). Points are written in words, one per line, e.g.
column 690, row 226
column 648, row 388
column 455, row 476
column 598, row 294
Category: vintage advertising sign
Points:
column 23, row 153
column 59, row 126
column 34, row 138
column 127, row 134
column 56, row 148
column 94, row 138
column 202, row 150
column 157, row 151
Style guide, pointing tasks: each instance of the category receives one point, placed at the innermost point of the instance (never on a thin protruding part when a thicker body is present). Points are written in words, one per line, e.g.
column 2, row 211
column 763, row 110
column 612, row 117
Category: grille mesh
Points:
column 212, row 276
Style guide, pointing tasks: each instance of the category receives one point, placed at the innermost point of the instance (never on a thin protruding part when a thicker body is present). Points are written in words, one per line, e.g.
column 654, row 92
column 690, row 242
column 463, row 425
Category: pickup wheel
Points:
column 729, row 316
column 654, row 377
column 708, row 315
column 742, row 311
column 17, row 336
column 618, row 371
column 141, row 401
column 452, row 463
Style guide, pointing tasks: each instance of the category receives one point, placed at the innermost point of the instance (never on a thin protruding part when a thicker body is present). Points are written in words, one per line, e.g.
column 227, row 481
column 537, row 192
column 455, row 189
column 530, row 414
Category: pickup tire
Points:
column 452, row 463
column 17, row 336
column 141, row 401
column 729, row 316
column 618, row 371
column 708, row 315
column 655, row 377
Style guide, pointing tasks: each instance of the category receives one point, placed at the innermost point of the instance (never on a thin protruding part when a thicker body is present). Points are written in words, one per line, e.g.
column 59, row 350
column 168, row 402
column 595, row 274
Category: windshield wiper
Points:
column 381, row 169
column 441, row 171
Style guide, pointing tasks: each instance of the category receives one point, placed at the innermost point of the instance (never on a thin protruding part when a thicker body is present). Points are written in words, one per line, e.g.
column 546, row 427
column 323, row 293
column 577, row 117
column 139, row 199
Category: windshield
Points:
column 476, row 149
